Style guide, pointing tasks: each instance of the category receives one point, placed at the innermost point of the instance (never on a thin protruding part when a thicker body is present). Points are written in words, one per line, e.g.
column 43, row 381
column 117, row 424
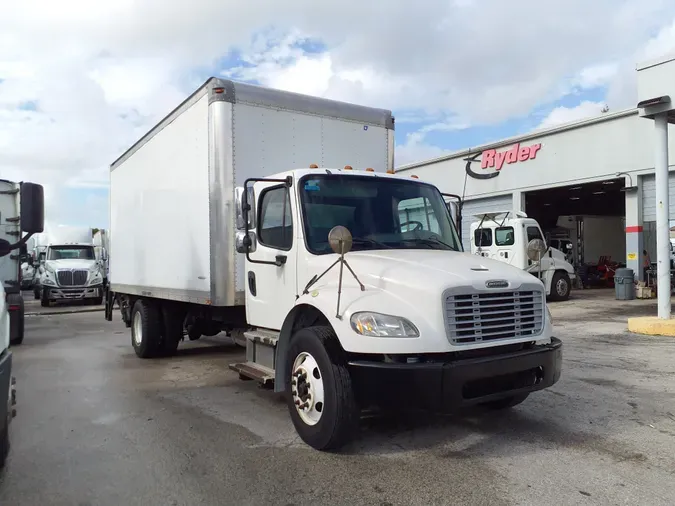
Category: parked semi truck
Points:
column 69, row 269
column 11, row 264
column 343, row 298
column 30, row 214
column 101, row 247
column 505, row 236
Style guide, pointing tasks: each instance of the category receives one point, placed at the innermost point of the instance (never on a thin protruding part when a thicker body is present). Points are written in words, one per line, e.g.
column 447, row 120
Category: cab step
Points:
column 250, row 371
column 261, row 347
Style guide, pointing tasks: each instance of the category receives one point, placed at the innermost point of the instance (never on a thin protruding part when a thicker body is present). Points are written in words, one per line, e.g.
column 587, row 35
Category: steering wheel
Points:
column 418, row 225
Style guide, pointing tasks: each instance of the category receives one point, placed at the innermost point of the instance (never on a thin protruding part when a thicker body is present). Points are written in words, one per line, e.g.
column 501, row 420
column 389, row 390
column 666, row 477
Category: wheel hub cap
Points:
column 307, row 388
column 138, row 329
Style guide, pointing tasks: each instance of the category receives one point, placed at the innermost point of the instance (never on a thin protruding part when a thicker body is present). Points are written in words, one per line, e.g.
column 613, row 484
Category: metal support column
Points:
column 662, row 216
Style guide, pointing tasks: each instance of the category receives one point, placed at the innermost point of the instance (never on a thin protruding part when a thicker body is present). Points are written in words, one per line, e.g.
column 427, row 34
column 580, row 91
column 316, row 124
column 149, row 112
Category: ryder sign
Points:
column 518, row 153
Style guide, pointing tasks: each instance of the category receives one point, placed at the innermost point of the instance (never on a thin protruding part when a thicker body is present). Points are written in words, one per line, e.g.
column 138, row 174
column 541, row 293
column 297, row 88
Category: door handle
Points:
column 280, row 260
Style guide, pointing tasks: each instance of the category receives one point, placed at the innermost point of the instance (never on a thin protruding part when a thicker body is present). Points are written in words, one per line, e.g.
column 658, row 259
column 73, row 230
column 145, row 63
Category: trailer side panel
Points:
column 160, row 210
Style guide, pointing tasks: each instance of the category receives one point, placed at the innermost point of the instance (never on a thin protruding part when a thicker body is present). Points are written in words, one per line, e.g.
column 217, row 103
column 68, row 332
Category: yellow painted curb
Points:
column 652, row 326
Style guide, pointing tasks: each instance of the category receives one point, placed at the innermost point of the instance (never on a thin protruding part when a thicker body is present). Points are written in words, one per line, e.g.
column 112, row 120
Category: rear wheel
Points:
column 146, row 329
column 319, row 390
column 16, row 319
column 173, row 320
column 4, row 429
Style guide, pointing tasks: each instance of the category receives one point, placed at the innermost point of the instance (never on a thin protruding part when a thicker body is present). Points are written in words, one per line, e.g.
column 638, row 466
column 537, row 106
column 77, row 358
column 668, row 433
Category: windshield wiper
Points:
column 363, row 240
column 432, row 241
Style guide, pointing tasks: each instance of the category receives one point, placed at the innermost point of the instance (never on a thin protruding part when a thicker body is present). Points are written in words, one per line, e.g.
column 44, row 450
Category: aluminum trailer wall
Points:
column 172, row 194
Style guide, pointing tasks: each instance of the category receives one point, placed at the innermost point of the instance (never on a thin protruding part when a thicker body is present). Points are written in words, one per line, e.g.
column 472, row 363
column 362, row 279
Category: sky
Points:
column 80, row 81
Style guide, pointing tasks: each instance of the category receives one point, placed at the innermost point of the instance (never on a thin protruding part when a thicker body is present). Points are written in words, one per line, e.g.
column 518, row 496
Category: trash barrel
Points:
column 624, row 284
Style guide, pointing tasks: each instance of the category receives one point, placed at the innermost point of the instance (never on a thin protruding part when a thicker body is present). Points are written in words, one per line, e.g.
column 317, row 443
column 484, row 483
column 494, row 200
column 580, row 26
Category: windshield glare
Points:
column 67, row 252
column 380, row 213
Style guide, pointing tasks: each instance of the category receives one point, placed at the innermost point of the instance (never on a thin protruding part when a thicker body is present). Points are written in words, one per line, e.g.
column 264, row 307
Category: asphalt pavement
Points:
column 98, row 426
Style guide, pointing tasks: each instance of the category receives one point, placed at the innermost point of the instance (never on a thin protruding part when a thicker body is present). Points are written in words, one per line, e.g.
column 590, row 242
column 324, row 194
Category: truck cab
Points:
column 505, row 236
column 71, row 272
column 358, row 291
column 27, row 217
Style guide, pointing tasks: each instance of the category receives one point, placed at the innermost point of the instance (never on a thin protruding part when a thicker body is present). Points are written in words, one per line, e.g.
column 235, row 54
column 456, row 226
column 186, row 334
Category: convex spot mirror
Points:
column 536, row 248
column 340, row 240
column 32, row 208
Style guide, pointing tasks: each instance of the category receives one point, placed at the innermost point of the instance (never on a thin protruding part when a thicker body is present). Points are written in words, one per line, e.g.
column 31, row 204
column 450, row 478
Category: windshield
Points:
column 381, row 213
column 64, row 252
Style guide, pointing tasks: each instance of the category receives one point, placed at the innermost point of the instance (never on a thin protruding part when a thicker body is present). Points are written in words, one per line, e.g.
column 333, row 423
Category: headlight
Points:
column 548, row 314
column 382, row 325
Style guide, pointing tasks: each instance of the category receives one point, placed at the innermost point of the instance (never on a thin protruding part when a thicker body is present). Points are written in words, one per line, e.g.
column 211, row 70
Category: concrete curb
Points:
column 66, row 311
column 652, row 326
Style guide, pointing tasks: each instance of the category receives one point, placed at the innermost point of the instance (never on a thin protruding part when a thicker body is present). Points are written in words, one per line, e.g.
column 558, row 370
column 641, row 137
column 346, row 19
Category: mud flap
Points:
column 109, row 303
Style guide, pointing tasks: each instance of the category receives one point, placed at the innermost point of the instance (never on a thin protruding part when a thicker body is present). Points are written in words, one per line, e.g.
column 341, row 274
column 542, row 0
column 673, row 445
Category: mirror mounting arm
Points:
column 6, row 248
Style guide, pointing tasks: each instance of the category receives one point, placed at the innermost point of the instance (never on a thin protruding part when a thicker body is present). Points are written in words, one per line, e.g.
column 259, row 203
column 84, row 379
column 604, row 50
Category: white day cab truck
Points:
column 517, row 240
column 341, row 302
column 22, row 210
column 69, row 270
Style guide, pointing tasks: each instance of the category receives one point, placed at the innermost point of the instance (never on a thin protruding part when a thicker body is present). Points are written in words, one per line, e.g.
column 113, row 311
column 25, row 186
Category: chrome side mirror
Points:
column 244, row 215
column 239, row 241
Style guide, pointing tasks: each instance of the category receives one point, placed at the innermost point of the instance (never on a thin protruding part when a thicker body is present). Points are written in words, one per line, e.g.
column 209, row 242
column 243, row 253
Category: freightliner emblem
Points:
column 498, row 283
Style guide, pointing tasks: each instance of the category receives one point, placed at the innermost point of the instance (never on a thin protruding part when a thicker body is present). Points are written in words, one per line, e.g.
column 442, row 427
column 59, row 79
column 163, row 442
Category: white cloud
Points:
column 561, row 115
column 100, row 74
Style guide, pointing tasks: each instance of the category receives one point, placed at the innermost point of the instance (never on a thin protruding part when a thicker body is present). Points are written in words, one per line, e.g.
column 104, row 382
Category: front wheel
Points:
column 319, row 390
column 36, row 293
column 561, row 286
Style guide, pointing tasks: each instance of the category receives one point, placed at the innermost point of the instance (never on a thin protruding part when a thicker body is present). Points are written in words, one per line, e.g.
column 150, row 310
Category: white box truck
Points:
column 257, row 236
column 27, row 206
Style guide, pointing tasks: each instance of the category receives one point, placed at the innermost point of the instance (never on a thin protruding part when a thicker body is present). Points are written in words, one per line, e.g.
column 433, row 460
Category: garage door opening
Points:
column 587, row 222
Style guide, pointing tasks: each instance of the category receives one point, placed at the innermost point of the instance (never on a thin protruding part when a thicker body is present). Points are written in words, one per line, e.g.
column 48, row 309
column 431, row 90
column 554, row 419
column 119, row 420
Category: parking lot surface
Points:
column 98, row 426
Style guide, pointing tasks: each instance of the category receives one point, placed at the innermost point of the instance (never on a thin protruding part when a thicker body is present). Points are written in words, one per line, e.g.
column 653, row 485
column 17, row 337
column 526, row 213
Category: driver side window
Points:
column 417, row 214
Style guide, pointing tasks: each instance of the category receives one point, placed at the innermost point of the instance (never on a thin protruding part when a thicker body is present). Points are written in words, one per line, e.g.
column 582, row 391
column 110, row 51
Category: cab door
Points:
column 270, row 269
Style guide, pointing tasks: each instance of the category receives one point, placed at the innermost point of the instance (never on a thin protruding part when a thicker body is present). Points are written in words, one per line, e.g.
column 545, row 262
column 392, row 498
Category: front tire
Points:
column 44, row 297
column 561, row 286
column 146, row 329
column 36, row 293
column 319, row 390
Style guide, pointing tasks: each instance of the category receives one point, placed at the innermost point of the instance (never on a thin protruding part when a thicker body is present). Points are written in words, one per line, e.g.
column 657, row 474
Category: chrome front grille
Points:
column 72, row 278
column 490, row 316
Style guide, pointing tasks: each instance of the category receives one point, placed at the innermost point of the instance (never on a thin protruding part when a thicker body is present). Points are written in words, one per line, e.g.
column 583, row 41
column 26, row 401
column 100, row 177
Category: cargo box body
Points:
column 172, row 215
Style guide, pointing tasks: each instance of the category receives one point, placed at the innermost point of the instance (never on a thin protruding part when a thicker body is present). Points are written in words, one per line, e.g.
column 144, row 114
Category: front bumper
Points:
column 446, row 386
column 73, row 293
column 7, row 396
